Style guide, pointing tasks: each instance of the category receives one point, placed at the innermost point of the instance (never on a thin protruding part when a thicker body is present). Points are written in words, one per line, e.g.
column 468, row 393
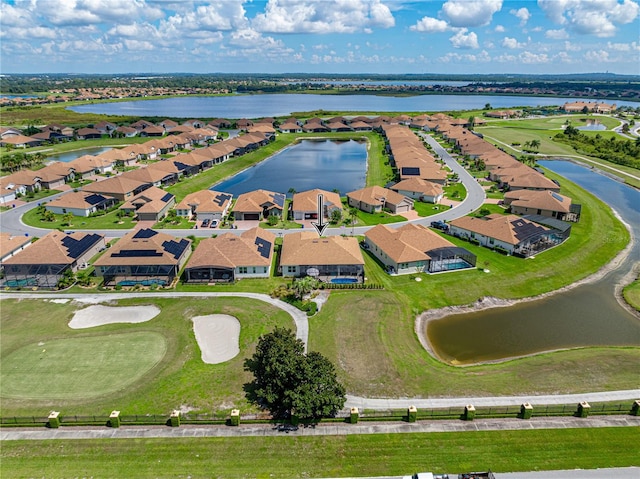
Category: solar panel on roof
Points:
column 557, row 196
column 278, row 199
column 175, row 248
column 264, row 247
column 94, row 199
column 76, row 248
column 136, row 253
column 166, row 197
column 145, row 233
column 221, row 199
column 524, row 230
column 410, row 171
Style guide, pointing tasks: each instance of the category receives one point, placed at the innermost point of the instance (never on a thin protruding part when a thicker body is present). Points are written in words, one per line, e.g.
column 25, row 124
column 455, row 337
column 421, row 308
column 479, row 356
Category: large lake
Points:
column 260, row 106
column 588, row 315
column 304, row 166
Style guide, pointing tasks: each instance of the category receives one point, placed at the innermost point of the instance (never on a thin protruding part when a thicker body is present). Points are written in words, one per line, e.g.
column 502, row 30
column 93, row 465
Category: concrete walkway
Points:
column 299, row 317
column 326, row 429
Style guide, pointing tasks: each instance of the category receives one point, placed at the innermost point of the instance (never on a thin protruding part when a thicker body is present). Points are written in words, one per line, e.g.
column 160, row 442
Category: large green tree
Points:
column 288, row 382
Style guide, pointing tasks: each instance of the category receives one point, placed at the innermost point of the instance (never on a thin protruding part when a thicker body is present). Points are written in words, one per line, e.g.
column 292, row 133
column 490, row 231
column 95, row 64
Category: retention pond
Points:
column 588, row 315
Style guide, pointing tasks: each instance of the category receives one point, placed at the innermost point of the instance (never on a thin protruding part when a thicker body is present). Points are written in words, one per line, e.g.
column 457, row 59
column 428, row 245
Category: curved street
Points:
column 302, row 326
column 12, row 223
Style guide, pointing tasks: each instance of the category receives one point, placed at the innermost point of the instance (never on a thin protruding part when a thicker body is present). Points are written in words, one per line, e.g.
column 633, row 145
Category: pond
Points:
column 595, row 126
column 587, row 315
column 72, row 155
column 309, row 164
column 267, row 105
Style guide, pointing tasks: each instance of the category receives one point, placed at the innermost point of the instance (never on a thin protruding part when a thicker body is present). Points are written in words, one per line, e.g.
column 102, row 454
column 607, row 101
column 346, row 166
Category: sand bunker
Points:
column 218, row 337
column 100, row 315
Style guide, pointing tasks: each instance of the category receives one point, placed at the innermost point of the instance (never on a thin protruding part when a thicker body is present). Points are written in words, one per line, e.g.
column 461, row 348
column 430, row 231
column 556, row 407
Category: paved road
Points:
column 11, row 220
column 323, row 429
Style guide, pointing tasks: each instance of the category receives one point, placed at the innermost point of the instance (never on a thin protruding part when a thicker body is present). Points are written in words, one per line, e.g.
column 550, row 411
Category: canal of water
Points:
column 72, row 155
column 306, row 165
column 587, row 315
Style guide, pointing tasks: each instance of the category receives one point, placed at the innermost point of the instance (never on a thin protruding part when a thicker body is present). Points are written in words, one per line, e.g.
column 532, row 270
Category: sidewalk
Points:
column 326, row 429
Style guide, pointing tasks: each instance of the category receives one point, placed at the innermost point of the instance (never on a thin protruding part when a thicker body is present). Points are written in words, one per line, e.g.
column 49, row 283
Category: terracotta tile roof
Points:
column 146, row 174
column 408, row 243
column 418, row 185
column 22, row 177
column 544, row 200
column 501, row 227
column 374, row 195
column 254, row 201
column 78, row 199
column 206, row 201
column 10, row 243
column 55, row 248
column 88, row 163
column 118, row 185
column 146, row 247
column 308, row 200
column 253, row 248
column 153, row 200
column 306, row 248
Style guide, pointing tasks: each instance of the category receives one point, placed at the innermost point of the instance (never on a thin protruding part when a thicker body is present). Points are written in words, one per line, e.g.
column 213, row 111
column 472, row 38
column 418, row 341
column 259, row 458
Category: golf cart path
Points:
column 302, row 332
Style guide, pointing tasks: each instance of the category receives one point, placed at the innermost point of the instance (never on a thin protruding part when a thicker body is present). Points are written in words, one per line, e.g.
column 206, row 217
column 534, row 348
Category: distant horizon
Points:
column 314, row 36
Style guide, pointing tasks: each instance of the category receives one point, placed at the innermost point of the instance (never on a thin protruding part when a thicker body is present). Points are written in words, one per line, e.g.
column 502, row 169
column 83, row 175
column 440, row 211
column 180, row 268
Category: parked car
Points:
column 213, row 224
column 440, row 225
column 205, row 223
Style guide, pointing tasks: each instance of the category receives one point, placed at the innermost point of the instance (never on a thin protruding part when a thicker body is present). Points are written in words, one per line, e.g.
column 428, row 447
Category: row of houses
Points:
column 147, row 257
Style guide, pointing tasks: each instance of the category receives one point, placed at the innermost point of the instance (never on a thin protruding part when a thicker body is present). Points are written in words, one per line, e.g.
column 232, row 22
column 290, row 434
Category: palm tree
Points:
column 353, row 214
column 535, row 144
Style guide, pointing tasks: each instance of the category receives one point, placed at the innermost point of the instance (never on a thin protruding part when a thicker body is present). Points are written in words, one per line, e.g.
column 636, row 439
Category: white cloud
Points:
column 453, row 57
column 323, row 16
column 463, row 40
column 470, row 13
column 599, row 56
column 86, row 12
column 512, row 43
column 222, row 15
column 572, row 47
column 529, row 58
column 591, row 17
column 430, row 25
column 623, row 47
column 499, row 29
column 522, row 14
column 560, row 34
column 139, row 45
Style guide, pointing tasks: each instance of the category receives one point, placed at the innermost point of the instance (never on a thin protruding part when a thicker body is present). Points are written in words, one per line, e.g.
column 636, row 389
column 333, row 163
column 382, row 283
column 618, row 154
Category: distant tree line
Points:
column 622, row 152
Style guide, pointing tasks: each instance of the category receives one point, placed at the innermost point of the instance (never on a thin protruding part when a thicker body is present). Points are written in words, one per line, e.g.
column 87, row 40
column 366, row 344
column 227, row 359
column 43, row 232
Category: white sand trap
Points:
column 218, row 337
column 100, row 315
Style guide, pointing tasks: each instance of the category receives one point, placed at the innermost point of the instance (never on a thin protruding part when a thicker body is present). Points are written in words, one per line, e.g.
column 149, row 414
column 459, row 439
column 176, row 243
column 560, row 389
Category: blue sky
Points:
column 319, row 36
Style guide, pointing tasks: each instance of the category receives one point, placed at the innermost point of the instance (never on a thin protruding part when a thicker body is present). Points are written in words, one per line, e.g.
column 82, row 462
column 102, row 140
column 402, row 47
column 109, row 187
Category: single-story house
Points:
column 510, row 234
column 257, row 205
column 119, row 187
column 88, row 134
column 305, row 204
column 44, row 262
column 229, row 257
column 143, row 257
column 374, row 199
column 20, row 141
column 421, row 190
column 151, row 204
column 11, row 245
column 545, row 203
column 335, row 259
column 80, row 203
column 205, row 205
column 416, row 249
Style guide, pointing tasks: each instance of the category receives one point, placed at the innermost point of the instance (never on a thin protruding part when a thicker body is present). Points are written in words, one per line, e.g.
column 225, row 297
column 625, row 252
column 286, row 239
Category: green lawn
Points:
column 38, row 195
column 368, row 219
column 108, row 221
column 428, row 209
column 632, row 294
column 80, row 367
column 179, row 378
column 325, row 456
column 455, row 191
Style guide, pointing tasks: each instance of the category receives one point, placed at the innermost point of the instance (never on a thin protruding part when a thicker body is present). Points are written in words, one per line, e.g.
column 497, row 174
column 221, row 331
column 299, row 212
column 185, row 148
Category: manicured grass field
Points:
column 80, row 368
column 180, row 378
column 108, row 221
column 325, row 456
column 632, row 294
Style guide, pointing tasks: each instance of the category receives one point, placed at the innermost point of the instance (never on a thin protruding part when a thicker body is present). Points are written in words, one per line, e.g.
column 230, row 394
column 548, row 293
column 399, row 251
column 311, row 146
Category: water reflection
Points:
column 588, row 315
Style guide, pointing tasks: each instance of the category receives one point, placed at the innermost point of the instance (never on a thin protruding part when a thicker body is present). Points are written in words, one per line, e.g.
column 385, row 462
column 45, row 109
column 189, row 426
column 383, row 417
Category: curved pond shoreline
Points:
column 422, row 321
